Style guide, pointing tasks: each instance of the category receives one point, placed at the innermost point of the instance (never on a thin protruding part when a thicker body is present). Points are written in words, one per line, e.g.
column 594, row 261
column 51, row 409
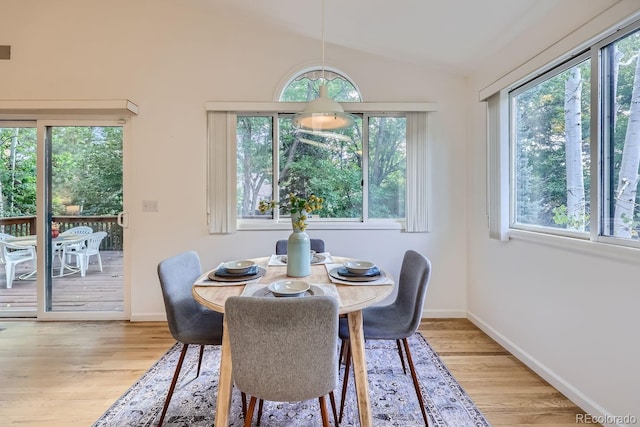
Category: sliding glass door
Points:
column 62, row 199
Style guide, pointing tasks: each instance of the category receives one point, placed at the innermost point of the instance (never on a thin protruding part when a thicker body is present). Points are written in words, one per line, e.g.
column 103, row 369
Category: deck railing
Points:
column 26, row 225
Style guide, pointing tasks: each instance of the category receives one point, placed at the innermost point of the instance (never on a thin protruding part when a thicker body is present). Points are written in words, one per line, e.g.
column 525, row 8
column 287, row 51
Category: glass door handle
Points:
column 121, row 220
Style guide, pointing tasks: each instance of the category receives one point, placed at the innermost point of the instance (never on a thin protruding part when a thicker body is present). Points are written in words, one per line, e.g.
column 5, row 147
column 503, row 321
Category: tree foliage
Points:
column 540, row 161
column 86, row 170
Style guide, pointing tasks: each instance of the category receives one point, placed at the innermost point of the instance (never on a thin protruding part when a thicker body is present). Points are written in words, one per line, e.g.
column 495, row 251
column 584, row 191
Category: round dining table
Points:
column 353, row 297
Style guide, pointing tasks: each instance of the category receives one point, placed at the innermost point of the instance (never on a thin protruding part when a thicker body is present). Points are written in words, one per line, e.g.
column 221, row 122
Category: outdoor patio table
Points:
column 352, row 299
column 56, row 242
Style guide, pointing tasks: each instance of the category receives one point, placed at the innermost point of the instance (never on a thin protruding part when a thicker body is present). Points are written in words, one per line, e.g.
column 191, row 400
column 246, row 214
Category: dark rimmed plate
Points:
column 261, row 272
column 336, row 275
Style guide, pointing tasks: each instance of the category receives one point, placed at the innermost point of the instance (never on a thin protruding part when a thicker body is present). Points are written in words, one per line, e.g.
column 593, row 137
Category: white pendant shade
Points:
column 323, row 113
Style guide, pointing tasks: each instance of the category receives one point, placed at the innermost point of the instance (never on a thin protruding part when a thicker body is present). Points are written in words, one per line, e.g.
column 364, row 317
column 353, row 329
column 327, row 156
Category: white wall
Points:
column 569, row 311
column 571, row 315
column 170, row 58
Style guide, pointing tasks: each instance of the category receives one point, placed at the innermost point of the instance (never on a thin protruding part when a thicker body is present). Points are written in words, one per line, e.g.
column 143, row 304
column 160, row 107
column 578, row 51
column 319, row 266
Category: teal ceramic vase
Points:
column 298, row 249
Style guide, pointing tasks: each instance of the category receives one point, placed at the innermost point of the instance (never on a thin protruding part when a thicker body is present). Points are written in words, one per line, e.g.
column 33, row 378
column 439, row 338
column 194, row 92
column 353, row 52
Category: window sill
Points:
column 588, row 247
column 248, row 225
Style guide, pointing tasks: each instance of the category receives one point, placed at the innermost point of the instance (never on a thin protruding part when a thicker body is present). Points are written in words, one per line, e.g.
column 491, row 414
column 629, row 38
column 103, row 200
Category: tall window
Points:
column 560, row 130
column 621, row 137
column 551, row 159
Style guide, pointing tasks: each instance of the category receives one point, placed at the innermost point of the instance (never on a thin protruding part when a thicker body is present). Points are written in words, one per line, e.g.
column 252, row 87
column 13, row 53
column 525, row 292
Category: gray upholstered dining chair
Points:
column 316, row 245
column 189, row 321
column 396, row 321
column 284, row 349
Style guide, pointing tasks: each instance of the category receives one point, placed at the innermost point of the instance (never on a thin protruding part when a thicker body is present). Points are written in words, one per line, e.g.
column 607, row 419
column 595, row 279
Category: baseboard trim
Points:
column 149, row 317
column 444, row 314
column 572, row 393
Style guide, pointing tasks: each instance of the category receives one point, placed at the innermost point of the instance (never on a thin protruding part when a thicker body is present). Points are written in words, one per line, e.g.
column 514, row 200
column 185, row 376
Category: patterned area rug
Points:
column 393, row 398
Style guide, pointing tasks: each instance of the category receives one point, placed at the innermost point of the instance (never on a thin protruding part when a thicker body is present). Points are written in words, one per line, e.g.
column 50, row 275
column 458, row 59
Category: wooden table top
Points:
column 352, row 297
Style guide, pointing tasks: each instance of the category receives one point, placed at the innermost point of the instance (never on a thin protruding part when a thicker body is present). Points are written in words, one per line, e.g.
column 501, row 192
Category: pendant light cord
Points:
column 323, row 79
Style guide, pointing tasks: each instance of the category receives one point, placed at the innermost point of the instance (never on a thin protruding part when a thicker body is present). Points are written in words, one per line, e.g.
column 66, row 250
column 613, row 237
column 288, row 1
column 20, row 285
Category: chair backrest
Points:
column 189, row 321
column 283, row 349
column 316, row 245
column 412, row 288
column 5, row 236
column 82, row 229
column 93, row 240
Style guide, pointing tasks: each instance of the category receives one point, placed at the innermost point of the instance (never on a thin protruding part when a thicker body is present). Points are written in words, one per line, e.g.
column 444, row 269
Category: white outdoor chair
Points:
column 91, row 247
column 2, row 237
column 13, row 255
column 80, row 230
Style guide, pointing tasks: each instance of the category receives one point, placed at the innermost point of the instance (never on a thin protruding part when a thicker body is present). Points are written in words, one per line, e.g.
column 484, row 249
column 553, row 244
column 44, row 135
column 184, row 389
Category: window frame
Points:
column 512, row 94
column 500, row 155
column 276, row 108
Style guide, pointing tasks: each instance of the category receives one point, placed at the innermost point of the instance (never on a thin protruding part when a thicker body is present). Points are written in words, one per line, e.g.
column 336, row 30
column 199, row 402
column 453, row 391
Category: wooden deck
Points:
column 97, row 291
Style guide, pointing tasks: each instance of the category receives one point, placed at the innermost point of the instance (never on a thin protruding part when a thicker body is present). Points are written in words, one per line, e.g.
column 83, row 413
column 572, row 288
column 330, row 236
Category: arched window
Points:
column 305, row 87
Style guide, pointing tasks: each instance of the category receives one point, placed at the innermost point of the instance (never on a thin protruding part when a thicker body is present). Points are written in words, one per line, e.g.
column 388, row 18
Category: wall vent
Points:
column 5, row 52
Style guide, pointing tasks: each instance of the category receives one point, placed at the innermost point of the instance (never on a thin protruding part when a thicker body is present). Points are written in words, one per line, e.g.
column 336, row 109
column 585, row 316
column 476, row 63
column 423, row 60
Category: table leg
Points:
column 225, row 382
column 356, row 341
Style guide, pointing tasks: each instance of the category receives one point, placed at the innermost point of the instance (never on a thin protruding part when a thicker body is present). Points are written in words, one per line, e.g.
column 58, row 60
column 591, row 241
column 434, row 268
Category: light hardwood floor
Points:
column 69, row 373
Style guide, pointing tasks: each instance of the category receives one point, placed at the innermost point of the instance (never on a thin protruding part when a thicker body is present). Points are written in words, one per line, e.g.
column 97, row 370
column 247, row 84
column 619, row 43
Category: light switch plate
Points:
column 149, row 206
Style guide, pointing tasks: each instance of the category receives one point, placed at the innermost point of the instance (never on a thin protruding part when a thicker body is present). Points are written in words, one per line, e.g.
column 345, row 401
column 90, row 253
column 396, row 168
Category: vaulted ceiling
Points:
column 455, row 34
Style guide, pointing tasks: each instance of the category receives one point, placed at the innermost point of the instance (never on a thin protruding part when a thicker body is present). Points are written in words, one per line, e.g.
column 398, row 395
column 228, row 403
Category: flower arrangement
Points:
column 297, row 206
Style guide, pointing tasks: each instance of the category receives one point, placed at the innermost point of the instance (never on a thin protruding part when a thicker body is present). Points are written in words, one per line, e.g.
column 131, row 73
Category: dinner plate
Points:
column 289, row 288
column 239, row 278
column 334, row 273
column 265, row 292
column 316, row 259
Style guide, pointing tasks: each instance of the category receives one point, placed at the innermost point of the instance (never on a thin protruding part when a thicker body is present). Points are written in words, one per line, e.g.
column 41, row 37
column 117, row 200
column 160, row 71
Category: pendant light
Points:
column 323, row 113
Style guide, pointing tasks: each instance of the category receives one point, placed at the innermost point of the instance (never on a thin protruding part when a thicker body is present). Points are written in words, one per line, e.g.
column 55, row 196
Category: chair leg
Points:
column 200, row 360
column 260, row 404
column 249, row 415
column 62, row 258
column 10, row 272
column 99, row 260
column 82, row 259
column 323, row 411
column 404, row 368
column 345, row 380
column 332, row 399
column 416, row 384
column 243, row 397
column 342, row 355
column 173, row 383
